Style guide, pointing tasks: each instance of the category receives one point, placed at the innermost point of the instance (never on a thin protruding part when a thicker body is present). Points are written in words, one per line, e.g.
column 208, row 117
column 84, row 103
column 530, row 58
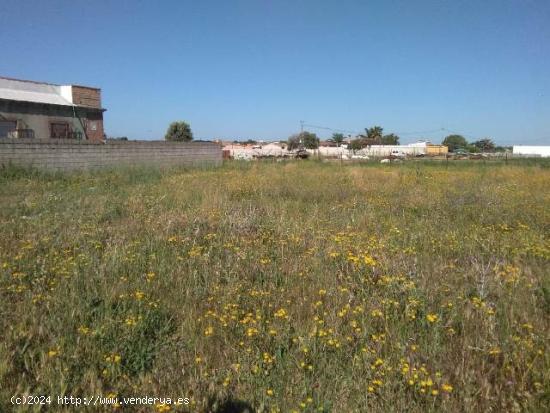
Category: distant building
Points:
column 430, row 149
column 329, row 143
column 542, row 151
column 420, row 144
column 248, row 151
column 31, row 109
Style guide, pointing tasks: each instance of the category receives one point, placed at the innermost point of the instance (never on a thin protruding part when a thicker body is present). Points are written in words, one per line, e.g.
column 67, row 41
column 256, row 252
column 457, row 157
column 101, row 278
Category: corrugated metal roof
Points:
column 24, row 91
column 37, row 97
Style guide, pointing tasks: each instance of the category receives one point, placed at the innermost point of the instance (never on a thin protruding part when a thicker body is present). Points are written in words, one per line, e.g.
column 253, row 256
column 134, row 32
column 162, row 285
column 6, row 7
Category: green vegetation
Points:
column 390, row 139
column 356, row 144
column 374, row 136
column 457, row 143
column 247, row 142
column 338, row 138
column 303, row 139
column 179, row 132
column 454, row 142
column 484, row 145
column 299, row 286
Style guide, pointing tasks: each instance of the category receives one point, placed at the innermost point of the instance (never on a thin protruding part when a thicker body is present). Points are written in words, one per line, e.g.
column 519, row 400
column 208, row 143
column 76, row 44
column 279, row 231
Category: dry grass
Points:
column 292, row 287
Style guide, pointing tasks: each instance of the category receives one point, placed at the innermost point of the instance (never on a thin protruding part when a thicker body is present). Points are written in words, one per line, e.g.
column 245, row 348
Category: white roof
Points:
column 36, row 97
column 26, row 91
column 541, row 150
column 420, row 144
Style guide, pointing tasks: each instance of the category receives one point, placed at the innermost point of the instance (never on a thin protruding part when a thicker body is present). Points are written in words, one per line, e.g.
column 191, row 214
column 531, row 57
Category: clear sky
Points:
column 254, row 69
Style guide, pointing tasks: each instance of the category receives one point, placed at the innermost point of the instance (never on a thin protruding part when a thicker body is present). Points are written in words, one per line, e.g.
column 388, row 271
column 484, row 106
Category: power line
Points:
column 420, row 132
column 302, row 124
column 326, row 128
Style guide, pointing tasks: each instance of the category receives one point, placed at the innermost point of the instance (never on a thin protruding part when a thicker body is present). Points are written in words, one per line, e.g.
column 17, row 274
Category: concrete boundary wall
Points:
column 63, row 154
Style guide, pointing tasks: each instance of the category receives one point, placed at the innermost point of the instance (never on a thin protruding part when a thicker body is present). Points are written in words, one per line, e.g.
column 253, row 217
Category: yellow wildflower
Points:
column 447, row 388
column 162, row 407
column 432, row 318
column 281, row 313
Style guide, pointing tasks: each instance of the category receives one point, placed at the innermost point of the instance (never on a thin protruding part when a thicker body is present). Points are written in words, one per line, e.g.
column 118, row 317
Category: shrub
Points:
column 179, row 132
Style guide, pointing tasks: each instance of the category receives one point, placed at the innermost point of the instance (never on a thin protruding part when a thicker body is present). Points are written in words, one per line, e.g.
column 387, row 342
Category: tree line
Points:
column 372, row 136
column 375, row 136
column 460, row 143
column 181, row 132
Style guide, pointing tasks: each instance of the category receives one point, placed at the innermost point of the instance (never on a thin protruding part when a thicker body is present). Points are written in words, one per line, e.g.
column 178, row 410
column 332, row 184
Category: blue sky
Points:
column 254, row 69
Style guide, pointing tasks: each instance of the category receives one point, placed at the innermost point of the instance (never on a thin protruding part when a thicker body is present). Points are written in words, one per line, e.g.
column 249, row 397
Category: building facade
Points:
column 430, row 149
column 535, row 151
column 38, row 110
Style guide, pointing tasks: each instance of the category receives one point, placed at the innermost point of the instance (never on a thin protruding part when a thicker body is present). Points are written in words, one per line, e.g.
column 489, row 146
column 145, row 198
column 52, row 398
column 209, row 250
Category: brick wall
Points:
column 86, row 96
column 94, row 126
column 61, row 154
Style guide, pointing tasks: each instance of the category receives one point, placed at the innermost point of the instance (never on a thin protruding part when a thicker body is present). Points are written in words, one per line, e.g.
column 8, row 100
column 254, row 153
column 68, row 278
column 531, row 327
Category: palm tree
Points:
column 373, row 135
column 338, row 138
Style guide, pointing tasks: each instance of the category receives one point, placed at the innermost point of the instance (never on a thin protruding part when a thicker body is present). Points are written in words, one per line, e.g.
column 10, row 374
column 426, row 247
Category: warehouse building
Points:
column 36, row 110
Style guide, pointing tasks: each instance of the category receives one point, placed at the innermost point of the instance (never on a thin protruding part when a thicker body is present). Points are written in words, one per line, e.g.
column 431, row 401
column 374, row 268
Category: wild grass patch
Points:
column 298, row 286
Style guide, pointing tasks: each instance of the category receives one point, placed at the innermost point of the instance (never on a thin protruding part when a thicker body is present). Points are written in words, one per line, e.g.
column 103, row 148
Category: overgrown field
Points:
column 300, row 286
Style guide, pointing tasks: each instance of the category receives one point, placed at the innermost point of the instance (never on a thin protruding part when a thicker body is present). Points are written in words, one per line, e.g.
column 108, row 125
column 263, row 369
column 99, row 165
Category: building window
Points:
column 59, row 130
column 7, row 126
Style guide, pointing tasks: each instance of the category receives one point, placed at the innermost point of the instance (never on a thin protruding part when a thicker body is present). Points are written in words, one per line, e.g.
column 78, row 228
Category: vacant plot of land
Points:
column 287, row 286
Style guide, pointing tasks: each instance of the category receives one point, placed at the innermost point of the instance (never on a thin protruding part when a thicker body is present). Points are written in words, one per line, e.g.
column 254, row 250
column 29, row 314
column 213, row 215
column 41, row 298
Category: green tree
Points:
column 310, row 140
column 179, row 132
column 375, row 133
column 391, row 139
column 356, row 144
column 454, row 142
column 293, row 142
column 338, row 138
column 472, row 148
column 485, row 145
column 304, row 139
